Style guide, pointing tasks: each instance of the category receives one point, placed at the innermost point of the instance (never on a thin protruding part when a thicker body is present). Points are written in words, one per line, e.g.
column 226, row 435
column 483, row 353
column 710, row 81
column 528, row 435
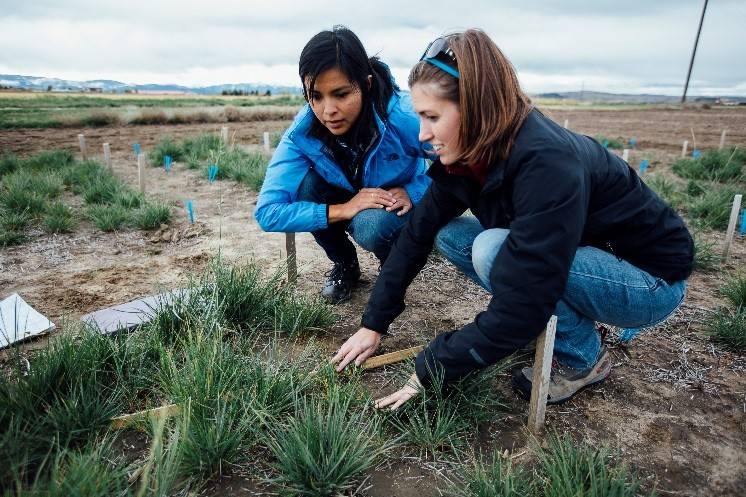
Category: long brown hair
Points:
column 491, row 102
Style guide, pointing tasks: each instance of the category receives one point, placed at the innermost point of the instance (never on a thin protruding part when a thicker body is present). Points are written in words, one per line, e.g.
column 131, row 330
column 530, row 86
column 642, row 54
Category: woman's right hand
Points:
column 367, row 198
column 358, row 348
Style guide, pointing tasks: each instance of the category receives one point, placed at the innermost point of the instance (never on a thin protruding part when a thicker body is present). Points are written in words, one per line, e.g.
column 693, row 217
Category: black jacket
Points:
column 556, row 191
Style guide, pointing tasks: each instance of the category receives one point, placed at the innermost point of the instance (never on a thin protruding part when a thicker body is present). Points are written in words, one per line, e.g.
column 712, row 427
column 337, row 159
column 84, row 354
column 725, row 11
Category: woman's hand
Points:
column 367, row 198
column 358, row 347
column 403, row 202
column 396, row 399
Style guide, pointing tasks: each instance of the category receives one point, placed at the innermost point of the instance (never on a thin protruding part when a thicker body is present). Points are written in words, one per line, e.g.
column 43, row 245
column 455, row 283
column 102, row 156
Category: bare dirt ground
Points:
column 675, row 405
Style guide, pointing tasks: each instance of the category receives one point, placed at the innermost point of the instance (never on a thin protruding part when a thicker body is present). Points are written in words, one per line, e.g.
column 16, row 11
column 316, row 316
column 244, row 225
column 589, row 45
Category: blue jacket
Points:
column 396, row 160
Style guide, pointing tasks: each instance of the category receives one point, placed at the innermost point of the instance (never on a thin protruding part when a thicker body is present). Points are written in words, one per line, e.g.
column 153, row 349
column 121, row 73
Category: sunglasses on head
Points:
column 439, row 54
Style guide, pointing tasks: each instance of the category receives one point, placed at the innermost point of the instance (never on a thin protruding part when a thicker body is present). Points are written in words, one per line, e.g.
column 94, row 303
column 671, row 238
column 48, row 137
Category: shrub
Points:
column 232, row 114
column 59, row 218
column 99, row 118
column 152, row 215
column 150, row 116
column 107, row 217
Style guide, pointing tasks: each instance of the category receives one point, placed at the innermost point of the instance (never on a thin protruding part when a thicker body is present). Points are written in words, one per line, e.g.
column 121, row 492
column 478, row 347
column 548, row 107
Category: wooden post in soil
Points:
column 567, row 124
column 391, row 357
column 540, row 382
column 722, row 139
column 684, row 147
column 291, row 258
column 224, row 135
column 265, row 138
column 732, row 225
column 141, row 171
column 625, row 155
column 83, row 150
column 107, row 155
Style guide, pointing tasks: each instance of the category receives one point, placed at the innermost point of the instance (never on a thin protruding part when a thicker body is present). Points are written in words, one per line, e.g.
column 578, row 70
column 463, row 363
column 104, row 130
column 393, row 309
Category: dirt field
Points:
column 675, row 405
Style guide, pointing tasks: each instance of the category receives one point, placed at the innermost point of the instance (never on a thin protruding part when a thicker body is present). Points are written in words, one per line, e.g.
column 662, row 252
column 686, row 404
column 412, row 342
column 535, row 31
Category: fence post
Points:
column 107, row 155
column 684, row 147
column 141, row 171
column 265, row 138
column 224, row 135
column 83, row 150
column 735, row 210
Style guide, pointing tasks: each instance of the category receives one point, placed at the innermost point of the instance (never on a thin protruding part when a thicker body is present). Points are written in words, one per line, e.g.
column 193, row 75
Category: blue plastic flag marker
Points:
column 742, row 229
column 189, row 206
column 632, row 142
column 644, row 166
column 212, row 173
column 628, row 334
column 605, row 143
column 167, row 161
column 136, row 149
column 696, row 154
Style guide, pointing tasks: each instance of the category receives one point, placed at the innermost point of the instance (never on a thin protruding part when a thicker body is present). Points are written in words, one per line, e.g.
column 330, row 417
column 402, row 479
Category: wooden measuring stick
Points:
column 540, row 382
column 392, row 357
column 107, row 155
column 141, row 171
column 625, row 154
column 291, row 258
column 224, row 134
column 732, row 224
column 684, row 147
column 265, row 137
column 722, row 139
column 81, row 142
column 126, row 420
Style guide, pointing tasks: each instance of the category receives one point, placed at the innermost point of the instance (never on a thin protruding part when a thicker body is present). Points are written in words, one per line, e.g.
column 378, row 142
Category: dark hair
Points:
column 491, row 102
column 340, row 48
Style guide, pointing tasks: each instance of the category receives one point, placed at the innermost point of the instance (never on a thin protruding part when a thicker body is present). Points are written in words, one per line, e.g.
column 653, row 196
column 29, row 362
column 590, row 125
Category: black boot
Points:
column 340, row 281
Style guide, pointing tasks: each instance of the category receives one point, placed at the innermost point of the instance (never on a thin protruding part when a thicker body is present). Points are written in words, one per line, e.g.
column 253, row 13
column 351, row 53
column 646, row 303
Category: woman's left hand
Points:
column 403, row 202
column 396, row 399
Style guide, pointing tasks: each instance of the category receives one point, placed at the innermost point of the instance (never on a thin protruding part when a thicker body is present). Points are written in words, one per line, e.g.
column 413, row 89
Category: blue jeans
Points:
column 600, row 287
column 373, row 229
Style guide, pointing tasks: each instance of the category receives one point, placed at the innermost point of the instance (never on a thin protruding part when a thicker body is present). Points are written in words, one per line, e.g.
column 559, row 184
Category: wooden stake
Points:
column 722, row 139
column 732, row 224
column 107, row 155
column 224, row 134
column 291, row 257
column 126, row 420
column 81, row 142
column 391, row 357
column 625, row 154
column 265, row 137
column 540, row 381
column 567, row 123
column 141, row 171
column 684, row 147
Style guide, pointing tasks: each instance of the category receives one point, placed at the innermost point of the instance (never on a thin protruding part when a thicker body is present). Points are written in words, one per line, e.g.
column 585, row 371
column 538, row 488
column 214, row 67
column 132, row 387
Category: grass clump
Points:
column 100, row 118
column 613, row 143
column 705, row 256
column 166, row 146
column 491, row 477
column 735, row 290
column 728, row 328
column 713, row 165
column 108, row 217
column 326, row 446
column 152, row 215
column 8, row 163
column 711, row 209
column 59, row 218
column 571, row 470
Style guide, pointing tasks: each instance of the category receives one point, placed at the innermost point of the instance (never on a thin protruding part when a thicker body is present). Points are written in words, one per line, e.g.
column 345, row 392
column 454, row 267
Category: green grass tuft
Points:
column 714, row 165
column 152, row 215
column 735, row 290
column 712, row 208
column 108, row 217
column 705, row 256
column 491, row 477
column 8, row 164
column 728, row 328
column 166, row 146
column 59, row 218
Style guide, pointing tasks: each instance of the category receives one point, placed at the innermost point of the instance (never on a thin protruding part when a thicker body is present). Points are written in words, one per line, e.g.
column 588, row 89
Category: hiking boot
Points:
column 564, row 381
column 340, row 280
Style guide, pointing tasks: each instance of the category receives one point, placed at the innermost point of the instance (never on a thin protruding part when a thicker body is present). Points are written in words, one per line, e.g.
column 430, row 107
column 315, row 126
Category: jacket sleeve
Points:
column 529, row 274
column 418, row 185
column 408, row 256
column 276, row 207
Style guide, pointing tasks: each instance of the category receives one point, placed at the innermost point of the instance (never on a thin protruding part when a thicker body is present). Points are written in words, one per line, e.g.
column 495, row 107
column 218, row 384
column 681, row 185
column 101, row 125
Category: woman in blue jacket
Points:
column 351, row 161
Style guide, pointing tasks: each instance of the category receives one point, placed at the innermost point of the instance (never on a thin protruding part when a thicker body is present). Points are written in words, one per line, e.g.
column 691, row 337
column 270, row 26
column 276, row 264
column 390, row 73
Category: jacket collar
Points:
column 495, row 174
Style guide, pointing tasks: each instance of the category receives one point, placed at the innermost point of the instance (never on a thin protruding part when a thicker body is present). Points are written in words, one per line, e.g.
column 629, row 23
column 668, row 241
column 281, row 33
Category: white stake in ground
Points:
column 81, row 142
column 625, row 155
column 732, row 224
column 722, row 139
column 567, row 123
column 684, row 147
column 224, row 134
column 537, row 408
column 265, row 137
column 107, row 155
column 141, row 171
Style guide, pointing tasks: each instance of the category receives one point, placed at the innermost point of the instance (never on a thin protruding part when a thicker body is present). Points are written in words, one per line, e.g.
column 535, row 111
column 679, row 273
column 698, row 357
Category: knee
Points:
column 486, row 246
column 446, row 241
column 374, row 230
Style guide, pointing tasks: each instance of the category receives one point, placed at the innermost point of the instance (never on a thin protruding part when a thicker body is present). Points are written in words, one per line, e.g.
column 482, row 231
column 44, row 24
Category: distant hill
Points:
column 597, row 96
column 36, row 83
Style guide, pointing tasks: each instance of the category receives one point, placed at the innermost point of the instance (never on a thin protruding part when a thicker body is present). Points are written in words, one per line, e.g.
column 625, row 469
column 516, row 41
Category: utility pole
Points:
column 694, row 52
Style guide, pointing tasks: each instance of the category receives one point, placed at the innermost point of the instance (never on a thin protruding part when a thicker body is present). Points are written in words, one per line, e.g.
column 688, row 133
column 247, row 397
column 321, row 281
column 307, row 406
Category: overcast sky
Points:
column 633, row 46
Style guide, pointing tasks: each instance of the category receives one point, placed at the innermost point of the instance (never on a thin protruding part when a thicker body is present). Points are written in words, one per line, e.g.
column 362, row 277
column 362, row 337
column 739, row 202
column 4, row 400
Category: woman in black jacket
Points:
column 560, row 226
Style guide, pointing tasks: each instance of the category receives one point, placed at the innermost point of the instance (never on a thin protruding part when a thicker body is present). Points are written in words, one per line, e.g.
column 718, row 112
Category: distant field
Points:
column 56, row 110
